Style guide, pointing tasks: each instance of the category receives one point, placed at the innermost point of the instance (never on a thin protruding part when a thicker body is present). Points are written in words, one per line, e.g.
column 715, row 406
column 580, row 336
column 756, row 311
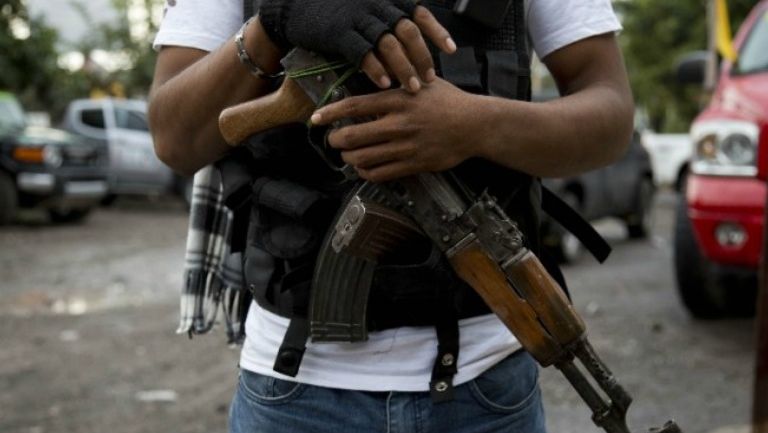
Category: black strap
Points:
column 445, row 366
column 294, row 343
column 521, row 48
column 564, row 214
column 292, row 349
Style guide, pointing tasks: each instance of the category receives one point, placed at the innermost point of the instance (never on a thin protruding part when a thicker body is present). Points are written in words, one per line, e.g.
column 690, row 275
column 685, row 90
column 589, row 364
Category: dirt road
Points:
column 88, row 313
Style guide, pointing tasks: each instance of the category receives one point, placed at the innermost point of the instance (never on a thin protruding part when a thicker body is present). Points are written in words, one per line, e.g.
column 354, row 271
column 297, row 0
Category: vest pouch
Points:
column 462, row 69
column 465, row 32
column 508, row 75
column 287, row 218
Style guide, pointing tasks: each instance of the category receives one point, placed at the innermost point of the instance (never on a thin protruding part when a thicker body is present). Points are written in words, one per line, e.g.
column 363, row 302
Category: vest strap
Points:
column 292, row 349
column 445, row 367
column 294, row 344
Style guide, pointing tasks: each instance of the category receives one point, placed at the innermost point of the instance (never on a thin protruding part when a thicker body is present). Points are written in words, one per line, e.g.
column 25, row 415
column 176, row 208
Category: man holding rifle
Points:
column 461, row 105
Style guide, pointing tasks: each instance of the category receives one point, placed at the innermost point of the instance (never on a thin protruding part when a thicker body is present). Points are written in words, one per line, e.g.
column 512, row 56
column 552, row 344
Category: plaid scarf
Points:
column 212, row 274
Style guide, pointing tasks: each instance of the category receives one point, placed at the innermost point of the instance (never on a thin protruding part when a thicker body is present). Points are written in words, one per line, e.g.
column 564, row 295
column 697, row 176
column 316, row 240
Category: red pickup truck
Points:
column 719, row 223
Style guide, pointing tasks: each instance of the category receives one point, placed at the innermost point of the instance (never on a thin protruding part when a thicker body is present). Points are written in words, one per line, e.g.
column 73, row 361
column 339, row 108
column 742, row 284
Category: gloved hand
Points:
column 350, row 28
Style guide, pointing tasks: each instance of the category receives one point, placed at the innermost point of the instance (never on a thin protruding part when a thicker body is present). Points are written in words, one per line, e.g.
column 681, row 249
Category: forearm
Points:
column 562, row 137
column 185, row 103
column 590, row 126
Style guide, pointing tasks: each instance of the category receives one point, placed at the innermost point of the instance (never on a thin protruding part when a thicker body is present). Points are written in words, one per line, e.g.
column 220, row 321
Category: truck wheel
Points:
column 68, row 216
column 639, row 222
column 698, row 290
column 108, row 200
column 9, row 201
column 741, row 298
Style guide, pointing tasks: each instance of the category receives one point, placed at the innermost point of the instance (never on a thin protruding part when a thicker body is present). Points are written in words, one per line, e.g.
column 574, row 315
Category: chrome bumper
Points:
column 62, row 192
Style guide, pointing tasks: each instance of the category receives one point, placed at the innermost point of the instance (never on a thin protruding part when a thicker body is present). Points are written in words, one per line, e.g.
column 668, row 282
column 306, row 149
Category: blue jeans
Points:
column 505, row 398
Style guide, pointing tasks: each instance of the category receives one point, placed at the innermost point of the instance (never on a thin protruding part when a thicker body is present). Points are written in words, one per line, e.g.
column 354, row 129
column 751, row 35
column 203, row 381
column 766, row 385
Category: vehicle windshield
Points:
column 11, row 114
column 754, row 53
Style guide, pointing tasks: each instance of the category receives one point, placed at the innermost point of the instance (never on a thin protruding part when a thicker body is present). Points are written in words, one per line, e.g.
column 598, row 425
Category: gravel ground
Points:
column 88, row 312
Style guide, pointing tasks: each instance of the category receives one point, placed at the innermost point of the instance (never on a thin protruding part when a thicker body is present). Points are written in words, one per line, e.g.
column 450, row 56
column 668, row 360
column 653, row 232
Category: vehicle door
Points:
column 593, row 185
column 135, row 151
column 87, row 119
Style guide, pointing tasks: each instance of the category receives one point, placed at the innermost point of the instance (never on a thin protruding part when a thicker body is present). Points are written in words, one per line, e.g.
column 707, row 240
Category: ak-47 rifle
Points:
column 483, row 245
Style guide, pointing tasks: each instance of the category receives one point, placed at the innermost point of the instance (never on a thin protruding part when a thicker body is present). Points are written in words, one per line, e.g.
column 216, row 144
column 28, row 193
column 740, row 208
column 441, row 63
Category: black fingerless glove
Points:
column 346, row 28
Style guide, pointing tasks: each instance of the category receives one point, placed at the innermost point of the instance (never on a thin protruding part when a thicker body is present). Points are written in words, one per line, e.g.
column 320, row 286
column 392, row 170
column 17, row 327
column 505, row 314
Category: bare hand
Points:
column 413, row 133
column 404, row 55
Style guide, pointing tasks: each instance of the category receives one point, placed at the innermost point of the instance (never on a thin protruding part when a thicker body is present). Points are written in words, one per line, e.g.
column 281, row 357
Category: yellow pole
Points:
column 723, row 31
column 710, row 74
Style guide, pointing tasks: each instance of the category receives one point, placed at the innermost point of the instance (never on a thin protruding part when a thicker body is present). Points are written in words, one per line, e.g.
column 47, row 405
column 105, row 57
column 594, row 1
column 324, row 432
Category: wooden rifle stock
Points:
column 288, row 104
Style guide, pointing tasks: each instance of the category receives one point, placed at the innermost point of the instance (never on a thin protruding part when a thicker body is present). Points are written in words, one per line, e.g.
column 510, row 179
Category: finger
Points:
column 433, row 30
column 386, row 172
column 359, row 106
column 415, row 47
column 356, row 48
column 376, row 155
column 367, row 134
column 373, row 68
column 392, row 54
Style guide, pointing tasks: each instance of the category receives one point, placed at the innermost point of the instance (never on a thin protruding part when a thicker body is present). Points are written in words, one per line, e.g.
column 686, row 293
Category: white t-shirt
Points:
column 398, row 359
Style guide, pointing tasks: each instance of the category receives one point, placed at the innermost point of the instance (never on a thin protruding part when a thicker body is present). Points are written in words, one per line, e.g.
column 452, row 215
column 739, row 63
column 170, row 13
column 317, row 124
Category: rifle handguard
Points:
column 475, row 267
column 534, row 284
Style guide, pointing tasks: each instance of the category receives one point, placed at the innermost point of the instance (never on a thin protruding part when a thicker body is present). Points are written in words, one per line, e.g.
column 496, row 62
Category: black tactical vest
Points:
column 290, row 197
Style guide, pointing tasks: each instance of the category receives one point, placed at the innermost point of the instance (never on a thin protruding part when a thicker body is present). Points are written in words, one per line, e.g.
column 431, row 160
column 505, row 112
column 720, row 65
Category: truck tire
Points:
column 639, row 222
column 9, row 201
column 741, row 297
column 697, row 288
column 108, row 200
column 69, row 216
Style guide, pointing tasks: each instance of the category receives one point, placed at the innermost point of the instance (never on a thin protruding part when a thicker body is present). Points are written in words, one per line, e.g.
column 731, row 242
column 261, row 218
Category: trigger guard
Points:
column 318, row 139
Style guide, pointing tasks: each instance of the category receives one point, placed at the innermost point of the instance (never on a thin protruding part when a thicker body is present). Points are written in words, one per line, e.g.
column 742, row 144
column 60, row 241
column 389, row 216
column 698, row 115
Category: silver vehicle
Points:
column 134, row 169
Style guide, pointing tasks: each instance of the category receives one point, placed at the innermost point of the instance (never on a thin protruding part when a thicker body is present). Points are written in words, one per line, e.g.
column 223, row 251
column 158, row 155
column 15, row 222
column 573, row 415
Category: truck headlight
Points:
column 725, row 148
column 49, row 155
column 52, row 156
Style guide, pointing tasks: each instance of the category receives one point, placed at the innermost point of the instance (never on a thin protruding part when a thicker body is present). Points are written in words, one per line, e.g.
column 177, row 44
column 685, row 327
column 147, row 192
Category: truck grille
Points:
column 84, row 156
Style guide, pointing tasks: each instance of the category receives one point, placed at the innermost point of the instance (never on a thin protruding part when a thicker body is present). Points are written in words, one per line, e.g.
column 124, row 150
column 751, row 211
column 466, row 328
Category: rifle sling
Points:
column 572, row 221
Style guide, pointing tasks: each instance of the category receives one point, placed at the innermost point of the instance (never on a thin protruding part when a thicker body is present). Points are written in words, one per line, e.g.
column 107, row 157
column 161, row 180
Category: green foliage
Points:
column 117, row 37
column 656, row 34
column 30, row 56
